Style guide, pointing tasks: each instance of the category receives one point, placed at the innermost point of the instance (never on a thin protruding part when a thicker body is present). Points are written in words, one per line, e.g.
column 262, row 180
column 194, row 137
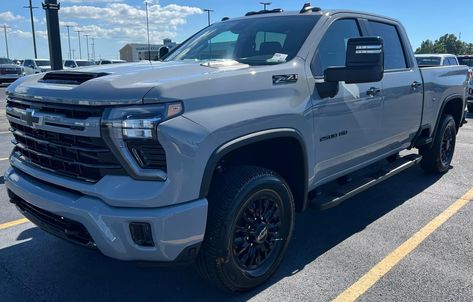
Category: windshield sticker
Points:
column 278, row 58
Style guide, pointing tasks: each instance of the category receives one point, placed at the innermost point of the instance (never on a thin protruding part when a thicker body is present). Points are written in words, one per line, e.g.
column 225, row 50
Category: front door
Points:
column 346, row 127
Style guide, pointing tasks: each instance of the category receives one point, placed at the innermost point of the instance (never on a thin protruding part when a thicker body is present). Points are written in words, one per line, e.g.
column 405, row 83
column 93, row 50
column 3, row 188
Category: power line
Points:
column 6, row 40
column 208, row 11
column 69, row 40
column 31, row 7
column 80, row 48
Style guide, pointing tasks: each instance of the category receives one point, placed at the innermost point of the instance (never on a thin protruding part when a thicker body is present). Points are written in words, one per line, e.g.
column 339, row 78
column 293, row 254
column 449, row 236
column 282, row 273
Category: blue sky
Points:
column 116, row 22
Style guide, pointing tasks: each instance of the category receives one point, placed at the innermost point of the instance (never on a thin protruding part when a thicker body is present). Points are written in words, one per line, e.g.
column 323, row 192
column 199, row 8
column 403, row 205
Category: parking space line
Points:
column 10, row 224
column 384, row 266
column 4, row 158
column 5, row 132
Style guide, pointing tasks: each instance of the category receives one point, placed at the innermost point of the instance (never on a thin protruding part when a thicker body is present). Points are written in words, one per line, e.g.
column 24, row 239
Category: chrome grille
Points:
column 82, row 157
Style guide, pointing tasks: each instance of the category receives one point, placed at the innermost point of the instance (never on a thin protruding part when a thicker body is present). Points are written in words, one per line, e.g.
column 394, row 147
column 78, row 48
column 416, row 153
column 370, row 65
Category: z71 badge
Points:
column 284, row 79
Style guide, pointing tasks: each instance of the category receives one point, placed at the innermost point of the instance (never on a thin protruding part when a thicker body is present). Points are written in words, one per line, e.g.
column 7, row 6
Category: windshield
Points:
column 466, row 61
column 43, row 63
column 5, row 61
column 254, row 41
column 84, row 63
column 428, row 61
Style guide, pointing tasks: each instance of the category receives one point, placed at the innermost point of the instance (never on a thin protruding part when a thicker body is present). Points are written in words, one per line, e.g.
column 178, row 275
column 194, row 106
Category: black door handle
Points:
column 416, row 85
column 373, row 91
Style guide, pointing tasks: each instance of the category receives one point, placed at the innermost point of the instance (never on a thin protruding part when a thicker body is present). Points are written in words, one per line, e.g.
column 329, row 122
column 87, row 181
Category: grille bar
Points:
column 76, row 155
column 56, row 225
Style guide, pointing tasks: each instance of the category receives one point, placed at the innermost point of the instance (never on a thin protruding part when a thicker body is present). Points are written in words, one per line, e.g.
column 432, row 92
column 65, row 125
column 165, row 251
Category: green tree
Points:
column 426, row 46
column 448, row 43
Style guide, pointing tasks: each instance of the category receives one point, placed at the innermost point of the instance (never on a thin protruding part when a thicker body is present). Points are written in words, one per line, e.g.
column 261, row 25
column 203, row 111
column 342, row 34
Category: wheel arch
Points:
column 297, row 181
column 455, row 106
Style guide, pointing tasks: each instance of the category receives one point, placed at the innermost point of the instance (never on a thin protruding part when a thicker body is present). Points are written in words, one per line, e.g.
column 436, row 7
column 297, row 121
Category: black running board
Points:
column 333, row 199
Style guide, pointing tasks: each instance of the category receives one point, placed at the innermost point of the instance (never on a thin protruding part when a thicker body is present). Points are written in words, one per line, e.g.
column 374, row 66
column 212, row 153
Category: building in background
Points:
column 134, row 52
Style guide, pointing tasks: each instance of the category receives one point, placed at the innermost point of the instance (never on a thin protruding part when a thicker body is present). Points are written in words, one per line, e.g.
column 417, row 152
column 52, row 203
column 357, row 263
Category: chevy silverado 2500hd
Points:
column 208, row 155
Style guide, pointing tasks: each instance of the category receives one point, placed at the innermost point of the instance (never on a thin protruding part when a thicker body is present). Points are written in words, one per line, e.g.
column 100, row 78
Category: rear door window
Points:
column 394, row 56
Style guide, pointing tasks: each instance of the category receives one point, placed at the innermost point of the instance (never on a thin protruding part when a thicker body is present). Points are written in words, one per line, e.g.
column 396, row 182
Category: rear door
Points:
column 402, row 87
column 346, row 127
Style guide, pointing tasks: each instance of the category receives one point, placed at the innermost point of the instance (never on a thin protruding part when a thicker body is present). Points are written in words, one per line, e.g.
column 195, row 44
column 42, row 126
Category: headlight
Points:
column 143, row 125
column 131, row 133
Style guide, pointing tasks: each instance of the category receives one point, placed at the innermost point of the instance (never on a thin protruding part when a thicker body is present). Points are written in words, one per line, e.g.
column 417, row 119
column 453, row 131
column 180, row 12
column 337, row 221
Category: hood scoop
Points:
column 71, row 77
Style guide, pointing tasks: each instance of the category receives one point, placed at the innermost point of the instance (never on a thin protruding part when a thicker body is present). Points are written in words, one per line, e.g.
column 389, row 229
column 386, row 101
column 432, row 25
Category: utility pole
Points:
column 80, row 48
column 69, row 40
column 208, row 11
column 6, row 39
column 31, row 7
column 265, row 4
column 93, row 49
column 147, row 28
column 54, row 34
column 87, row 42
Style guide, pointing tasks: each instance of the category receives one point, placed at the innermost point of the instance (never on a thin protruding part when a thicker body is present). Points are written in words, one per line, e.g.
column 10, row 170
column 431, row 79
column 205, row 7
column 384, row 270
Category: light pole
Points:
column 147, row 28
column 208, row 11
column 93, row 49
column 265, row 4
column 73, row 54
column 80, row 48
column 31, row 7
column 6, row 40
column 69, row 40
column 87, row 42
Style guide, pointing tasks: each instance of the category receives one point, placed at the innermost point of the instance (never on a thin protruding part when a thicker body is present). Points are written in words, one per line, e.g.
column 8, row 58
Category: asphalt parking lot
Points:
column 348, row 247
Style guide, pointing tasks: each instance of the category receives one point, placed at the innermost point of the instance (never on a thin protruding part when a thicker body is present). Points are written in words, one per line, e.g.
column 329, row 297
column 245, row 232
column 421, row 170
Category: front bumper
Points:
column 176, row 229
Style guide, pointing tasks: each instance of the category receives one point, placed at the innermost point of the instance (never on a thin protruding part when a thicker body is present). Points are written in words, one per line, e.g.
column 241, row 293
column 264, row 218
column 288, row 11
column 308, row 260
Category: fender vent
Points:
column 71, row 77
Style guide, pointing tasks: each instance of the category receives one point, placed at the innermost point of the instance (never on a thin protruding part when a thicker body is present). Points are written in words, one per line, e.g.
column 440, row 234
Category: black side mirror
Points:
column 364, row 62
column 163, row 51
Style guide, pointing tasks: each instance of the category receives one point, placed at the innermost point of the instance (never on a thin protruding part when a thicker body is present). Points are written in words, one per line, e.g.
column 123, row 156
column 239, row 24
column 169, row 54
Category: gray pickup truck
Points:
column 207, row 156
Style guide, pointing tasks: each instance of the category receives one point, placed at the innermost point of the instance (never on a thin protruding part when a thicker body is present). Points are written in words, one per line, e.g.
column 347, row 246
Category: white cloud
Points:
column 90, row 1
column 9, row 16
column 128, row 23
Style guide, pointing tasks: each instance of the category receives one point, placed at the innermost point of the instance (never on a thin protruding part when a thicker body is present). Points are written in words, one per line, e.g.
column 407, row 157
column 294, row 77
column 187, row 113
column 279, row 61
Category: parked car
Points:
column 207, row 155
column 429, row 60
column 9, row 71
column 32, row 66
column 77, row 63
column 104, row 62
column 468, row 61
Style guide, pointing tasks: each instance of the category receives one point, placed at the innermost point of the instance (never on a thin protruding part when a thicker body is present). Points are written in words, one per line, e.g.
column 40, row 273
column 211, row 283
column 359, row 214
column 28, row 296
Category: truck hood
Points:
column 130, row 83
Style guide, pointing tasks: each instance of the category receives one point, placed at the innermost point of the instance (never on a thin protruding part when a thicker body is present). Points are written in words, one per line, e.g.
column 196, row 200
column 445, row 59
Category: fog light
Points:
column 141, row 233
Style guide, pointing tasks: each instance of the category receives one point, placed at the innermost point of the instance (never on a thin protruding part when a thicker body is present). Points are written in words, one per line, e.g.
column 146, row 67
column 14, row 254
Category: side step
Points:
column 326, row 200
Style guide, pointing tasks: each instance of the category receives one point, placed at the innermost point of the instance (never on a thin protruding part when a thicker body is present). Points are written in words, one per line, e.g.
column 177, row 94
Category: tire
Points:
column 470, row 108
column 438, row 157
column 233, row 237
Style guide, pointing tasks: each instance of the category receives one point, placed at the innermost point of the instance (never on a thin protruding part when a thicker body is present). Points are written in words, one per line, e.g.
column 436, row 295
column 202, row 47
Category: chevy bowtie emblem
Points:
column 30, row 117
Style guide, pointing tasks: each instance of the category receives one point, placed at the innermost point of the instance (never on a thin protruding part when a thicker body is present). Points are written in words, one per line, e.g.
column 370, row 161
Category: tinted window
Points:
column 254, row 41
column 69, row 64
column 453, row 61
column 333, row 46
column 5, row 61
column 43, row 63
column 393, row 52
column 28, row 63
column 466, row 61
column 428, row 61
column 85, row 63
